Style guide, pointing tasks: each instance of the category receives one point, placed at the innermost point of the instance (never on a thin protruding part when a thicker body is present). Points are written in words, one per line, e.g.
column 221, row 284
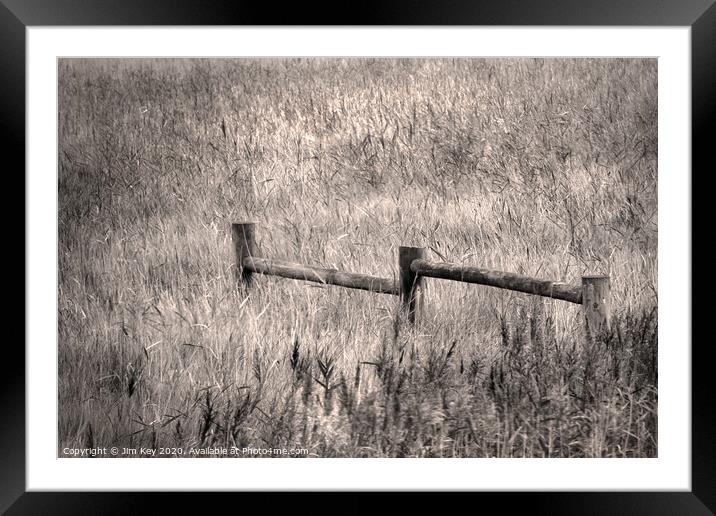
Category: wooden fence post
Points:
column 411, row 285
column 244, row 237
column 596, row 304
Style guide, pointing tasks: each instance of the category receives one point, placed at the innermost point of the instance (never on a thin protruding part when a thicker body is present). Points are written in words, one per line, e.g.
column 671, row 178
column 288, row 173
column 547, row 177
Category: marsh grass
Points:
column 541, row 167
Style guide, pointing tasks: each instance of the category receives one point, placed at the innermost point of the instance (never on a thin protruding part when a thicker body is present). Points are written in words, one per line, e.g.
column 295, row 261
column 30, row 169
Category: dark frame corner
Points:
column 700, row 15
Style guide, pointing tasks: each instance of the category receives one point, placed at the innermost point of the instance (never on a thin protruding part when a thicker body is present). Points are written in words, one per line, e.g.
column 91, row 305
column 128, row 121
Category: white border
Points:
column 671, row 470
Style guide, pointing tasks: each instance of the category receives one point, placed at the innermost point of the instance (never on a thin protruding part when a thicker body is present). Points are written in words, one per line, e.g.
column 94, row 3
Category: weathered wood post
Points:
column 411, row 284
column 596, row 304
column 244, row 236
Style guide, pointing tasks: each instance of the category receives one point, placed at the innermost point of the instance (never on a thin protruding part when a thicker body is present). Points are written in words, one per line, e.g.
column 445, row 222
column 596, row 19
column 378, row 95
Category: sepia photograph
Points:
column 357, row 257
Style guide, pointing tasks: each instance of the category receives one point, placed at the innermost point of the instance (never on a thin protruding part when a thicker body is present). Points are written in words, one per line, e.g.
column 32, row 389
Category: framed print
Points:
column 443, row 250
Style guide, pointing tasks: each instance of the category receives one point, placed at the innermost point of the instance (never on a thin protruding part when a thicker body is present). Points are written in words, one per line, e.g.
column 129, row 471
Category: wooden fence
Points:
column 593, row 294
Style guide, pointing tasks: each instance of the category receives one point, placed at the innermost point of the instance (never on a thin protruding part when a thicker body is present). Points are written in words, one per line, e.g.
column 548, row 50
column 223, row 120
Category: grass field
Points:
column 541, row 167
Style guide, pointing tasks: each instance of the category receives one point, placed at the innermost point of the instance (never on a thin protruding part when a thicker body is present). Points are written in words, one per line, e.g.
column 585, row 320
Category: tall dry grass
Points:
column 542, row 167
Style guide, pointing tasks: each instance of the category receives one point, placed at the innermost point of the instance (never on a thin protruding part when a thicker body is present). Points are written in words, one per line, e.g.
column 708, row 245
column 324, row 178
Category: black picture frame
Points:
column 700, row 15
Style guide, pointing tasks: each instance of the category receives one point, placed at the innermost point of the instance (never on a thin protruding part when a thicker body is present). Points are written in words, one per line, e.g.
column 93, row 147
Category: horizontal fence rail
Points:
column 299, row 271
column 593, row 294
column 505, row 280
